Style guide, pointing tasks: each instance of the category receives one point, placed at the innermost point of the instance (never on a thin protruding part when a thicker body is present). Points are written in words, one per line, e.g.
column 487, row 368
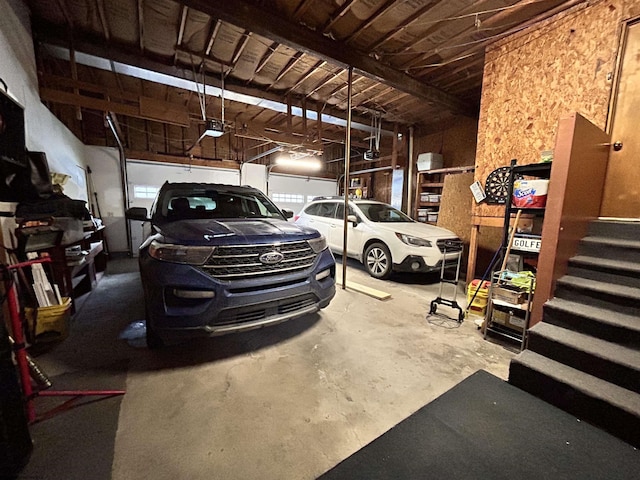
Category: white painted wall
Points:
column 44, row 132
column 254, row 175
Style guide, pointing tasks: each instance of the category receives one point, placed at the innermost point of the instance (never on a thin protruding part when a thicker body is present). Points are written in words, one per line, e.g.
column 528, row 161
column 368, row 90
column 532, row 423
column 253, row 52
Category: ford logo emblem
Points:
column 271, row 258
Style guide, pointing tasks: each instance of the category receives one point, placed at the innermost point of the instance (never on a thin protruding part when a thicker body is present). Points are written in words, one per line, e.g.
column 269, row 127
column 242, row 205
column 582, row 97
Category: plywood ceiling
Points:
column 415, row 61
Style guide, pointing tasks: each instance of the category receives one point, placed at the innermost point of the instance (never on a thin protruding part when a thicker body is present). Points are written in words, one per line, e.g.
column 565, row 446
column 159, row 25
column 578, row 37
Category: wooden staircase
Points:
column 584, row 357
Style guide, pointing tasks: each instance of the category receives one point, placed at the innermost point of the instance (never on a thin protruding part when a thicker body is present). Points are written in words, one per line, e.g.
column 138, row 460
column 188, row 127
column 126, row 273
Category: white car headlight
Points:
column 413, row 241
column 318, row 244
column 190, row 255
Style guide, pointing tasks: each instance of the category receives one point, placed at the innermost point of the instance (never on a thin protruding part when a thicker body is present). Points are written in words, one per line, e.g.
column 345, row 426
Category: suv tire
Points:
column 377, row 260
column 154, row 341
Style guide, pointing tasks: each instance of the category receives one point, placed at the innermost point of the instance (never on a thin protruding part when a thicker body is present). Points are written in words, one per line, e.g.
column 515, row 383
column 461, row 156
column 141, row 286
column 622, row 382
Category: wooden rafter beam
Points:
column 50, row 34
column 215, row 28
column 309, row 73
column 185, row 160
column 60, row 82
column 494, row 20
column 479, row 62
column 322, row 82
column 271, row 50
column 287, row 68
column 301, row 9
column 403, row 25
column 271, row 25
column 141, row 24
column 103, row 19
column 242, row 44
column 393, row 99
column 346, row 6
column 382, row 10
column 147, row 108
column 183, row 22
column 62, row 4
column 340, row 88
column 362, row 92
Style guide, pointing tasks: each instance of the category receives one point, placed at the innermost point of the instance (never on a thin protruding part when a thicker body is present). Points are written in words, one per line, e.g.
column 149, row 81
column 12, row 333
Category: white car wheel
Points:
column 377, row 260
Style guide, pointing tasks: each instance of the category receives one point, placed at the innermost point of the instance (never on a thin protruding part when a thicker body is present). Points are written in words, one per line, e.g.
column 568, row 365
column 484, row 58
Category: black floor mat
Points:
column 484, row 428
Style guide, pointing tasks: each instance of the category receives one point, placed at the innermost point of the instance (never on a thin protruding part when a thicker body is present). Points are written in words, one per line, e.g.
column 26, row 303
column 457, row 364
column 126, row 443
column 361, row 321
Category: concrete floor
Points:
column 286, row 402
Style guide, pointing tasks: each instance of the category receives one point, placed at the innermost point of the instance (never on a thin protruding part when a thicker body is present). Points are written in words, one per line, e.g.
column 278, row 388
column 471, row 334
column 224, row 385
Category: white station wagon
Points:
column 381, row 237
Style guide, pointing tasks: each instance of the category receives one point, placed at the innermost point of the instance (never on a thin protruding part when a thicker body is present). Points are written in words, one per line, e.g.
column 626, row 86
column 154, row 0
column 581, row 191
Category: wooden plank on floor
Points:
column 372, row 292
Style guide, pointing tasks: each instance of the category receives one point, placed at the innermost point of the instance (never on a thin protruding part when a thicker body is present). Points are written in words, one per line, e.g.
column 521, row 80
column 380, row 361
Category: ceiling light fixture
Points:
column 306, row 163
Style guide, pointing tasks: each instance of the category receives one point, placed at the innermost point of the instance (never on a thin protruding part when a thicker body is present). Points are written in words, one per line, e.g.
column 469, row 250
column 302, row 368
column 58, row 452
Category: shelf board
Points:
column 533, row 169
column 504, row 331
column 529, row 211
column 432, row 184
column 515, row 306
column 429, row 204
column 468, row 168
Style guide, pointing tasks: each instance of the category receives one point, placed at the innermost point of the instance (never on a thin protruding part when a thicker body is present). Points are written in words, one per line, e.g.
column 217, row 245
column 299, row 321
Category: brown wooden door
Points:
column 622, row 183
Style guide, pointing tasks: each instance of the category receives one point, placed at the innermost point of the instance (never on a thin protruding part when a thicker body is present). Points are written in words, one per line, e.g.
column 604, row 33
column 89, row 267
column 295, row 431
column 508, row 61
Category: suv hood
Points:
column 233, row 231
column 417, row 229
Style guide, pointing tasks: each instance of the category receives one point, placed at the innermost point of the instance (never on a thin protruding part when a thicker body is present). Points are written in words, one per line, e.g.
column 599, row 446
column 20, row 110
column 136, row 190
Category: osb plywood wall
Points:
column 456, row 142
column 455, row 210
column 537, row 76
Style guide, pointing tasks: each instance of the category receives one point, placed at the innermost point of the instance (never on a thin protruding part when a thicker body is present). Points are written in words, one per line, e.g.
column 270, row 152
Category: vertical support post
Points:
column 347, row 159
column 410, row 173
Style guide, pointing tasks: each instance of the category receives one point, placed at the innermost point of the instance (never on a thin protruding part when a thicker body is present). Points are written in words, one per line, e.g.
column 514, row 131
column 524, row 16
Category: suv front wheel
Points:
column 377, row 260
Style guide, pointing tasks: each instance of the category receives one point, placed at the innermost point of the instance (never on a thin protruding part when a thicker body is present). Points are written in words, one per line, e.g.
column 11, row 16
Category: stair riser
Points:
column 621, row 375
column 611, row 252
column 592, row 326
column 598, row 299
column 627, row 231
column 630, row 279
column 614, row 420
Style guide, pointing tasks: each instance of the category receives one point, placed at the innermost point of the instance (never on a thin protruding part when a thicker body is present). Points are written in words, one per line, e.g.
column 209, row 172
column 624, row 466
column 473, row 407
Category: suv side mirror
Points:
column 353, row 219
column 287, row 213
column 137, row 213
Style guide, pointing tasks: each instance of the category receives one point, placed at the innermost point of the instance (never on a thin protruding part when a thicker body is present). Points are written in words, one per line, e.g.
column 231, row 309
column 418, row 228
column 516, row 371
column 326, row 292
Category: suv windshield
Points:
column 379, row 212
column 201, row 203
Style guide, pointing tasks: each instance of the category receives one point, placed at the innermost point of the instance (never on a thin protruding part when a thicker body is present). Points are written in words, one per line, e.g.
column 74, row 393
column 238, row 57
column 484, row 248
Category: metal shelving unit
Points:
column 524, row 244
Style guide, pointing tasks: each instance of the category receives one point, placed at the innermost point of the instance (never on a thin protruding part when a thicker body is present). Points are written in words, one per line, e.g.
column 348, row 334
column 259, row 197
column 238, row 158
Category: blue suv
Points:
column 222, row 259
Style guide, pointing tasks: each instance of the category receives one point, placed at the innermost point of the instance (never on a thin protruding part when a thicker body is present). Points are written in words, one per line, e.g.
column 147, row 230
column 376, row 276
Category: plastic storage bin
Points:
column 479, row 304
column 48, row 324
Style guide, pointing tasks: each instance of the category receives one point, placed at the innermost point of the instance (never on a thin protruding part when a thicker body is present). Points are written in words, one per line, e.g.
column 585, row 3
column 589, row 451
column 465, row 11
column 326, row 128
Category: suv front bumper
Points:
column 226, row 306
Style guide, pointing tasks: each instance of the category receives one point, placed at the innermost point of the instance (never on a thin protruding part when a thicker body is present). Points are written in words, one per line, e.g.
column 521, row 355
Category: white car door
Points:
column 354, row 234
column 320, row 216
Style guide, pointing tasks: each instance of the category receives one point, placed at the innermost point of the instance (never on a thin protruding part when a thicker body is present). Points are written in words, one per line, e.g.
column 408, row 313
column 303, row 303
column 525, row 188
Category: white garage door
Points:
column 293, row 192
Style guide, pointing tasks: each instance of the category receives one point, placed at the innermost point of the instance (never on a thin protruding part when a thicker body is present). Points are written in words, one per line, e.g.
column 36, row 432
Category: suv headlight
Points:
column 318, row 244
column 413, row 241
column 190, row 255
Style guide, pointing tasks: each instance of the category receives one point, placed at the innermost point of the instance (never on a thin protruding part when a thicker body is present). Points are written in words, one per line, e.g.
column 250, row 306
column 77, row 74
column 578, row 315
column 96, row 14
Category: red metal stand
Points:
column 20, row 349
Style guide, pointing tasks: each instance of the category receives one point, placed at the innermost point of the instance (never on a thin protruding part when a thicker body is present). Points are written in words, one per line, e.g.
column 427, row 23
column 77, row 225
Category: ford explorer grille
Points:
column 237, row 262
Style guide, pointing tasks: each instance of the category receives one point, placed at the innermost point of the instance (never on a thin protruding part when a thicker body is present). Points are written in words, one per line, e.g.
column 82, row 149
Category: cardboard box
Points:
column 509, row 294
column 429, row 161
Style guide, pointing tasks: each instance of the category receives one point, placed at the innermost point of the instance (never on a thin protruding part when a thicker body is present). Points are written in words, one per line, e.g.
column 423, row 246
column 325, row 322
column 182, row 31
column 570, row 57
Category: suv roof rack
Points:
column 327, row 197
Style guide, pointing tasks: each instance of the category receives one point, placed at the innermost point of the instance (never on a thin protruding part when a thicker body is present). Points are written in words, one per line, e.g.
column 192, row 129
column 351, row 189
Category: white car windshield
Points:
column 380, row 212
column 181, row 204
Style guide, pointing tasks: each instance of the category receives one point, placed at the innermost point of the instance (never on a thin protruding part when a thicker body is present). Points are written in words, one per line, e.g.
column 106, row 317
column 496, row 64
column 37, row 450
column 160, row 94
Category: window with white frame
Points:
column 287, row 197
column 145, row 191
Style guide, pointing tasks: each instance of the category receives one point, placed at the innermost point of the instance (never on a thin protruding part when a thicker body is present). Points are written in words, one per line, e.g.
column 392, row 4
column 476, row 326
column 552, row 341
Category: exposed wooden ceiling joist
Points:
column 53, row 35
column 382, row 10
column 270, row 25
column 147, row 108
